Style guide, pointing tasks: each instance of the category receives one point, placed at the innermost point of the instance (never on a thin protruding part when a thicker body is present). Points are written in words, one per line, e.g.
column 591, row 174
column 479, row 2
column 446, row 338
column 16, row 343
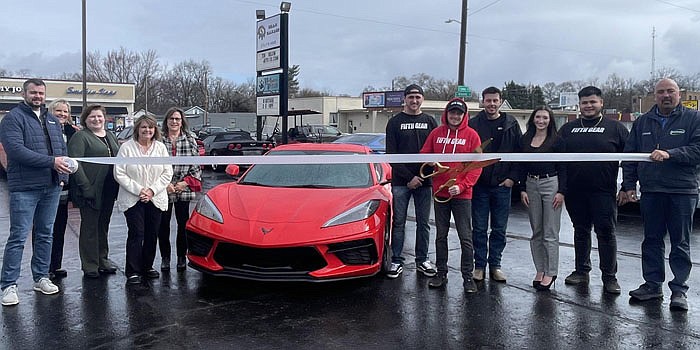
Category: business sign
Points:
column 268, row 33
column 268, row 105
column 268, row 85
column 267, row 60
column 11, row 89
column 692, row 104
column 383, row 99
column 568, row 99
column 463, row 91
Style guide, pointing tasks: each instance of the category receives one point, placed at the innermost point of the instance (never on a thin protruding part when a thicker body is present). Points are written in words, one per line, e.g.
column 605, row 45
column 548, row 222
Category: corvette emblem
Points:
column 265, row 231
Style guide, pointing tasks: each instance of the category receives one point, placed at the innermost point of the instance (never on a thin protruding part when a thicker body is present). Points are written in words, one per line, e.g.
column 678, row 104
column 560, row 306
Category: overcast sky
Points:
column 343, row 46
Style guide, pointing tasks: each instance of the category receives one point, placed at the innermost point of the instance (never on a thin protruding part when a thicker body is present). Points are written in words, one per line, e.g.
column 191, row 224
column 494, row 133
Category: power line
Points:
column 678, row 6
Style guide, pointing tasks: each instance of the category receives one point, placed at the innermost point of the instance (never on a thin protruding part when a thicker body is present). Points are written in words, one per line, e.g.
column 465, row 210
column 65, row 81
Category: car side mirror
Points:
column 233, row 169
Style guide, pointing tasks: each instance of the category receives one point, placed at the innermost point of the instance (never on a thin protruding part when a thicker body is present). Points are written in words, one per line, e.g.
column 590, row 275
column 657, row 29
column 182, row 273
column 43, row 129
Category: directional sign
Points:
column 463, row 91
column 268, row 85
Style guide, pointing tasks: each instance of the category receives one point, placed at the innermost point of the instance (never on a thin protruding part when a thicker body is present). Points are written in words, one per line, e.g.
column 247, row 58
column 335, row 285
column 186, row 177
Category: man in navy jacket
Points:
column 669, row 186
column 35, row 172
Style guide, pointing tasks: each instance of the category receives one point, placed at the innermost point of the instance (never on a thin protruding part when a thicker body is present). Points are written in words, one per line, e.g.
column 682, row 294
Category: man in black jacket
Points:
column 493, row 189
column 669, row 184
column 405, row 133
column 591, row 187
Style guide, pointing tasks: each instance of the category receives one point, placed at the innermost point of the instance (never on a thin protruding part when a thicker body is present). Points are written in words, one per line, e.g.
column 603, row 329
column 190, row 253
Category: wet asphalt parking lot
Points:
column 188, row 310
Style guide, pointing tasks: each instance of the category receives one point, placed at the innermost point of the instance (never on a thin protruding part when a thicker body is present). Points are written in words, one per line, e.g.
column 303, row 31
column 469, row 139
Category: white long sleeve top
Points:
column 133, row 178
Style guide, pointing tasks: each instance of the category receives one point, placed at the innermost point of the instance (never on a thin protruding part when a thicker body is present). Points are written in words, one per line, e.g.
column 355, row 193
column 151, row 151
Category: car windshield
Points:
column 309, row 175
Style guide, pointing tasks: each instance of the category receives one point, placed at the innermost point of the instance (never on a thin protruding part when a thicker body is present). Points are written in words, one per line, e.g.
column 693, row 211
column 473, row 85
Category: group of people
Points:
column 479, row 199
column 38, row 142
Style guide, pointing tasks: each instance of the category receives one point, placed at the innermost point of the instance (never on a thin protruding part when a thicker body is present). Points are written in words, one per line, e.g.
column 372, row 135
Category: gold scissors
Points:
column 455, row 171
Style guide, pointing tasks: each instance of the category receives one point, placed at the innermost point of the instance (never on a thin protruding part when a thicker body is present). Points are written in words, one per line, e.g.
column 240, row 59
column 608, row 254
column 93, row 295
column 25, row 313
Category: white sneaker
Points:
column 9, row 296
column 45, row 286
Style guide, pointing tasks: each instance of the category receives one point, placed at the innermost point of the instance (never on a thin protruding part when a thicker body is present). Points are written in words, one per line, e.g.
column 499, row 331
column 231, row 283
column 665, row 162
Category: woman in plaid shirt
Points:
column 187, row 179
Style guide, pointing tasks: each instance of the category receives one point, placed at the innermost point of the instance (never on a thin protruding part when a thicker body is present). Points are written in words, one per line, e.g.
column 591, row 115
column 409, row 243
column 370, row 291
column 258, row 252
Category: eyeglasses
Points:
column 175, row 119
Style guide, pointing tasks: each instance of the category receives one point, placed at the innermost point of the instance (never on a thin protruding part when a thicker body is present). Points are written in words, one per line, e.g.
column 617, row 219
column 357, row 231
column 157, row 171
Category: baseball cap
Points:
column 457, row 104
column 413, row 89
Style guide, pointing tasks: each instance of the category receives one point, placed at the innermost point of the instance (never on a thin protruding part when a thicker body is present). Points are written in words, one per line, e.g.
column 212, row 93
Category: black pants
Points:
column 142, row 221
column 59, row 233
column 600, row 211
column 461, row 210
column 182, row 213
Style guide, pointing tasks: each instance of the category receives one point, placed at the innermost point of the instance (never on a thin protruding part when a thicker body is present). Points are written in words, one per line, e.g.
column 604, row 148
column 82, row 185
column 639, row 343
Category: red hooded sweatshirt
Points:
column 445, row 139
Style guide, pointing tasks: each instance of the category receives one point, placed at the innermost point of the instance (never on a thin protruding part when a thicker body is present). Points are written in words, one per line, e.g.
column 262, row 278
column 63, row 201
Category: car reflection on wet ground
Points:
column 189, row 310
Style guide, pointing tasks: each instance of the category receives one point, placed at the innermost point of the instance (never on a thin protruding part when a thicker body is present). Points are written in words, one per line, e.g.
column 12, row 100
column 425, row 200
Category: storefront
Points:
column 118, row 99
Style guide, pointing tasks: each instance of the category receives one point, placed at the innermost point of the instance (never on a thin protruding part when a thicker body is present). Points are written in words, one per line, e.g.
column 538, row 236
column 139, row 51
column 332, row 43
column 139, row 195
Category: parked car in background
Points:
column 296, row 222
column 375, row 141
column 234, row 143
column 125, row 134
column 310, row 133
column 207, row 130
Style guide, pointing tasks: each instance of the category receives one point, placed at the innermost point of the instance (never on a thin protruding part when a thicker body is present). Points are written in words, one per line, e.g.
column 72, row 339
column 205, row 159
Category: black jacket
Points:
column 406, row 134
column 509, row 143
column 680, row 137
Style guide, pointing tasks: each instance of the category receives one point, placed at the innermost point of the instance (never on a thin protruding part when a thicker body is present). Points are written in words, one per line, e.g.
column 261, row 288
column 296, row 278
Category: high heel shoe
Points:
column 543, row 287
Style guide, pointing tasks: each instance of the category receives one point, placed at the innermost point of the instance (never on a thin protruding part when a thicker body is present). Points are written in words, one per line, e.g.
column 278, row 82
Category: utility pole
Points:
column 653, row 52
column 206, row 97
column 462, row 43
column 84, row 59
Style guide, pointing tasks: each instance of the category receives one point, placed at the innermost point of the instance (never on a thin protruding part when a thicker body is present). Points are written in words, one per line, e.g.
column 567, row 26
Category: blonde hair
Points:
column 150, row 121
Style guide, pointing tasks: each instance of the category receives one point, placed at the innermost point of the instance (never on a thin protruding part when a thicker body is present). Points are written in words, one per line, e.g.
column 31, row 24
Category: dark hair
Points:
column 33, row 81
column 491, row 90
column 88, row 110
column 531, row 129
column 150, row 121
column 184, row 127
column 590, row 91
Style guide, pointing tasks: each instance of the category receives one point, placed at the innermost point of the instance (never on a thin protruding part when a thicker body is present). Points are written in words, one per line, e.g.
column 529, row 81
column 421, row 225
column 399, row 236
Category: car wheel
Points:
column 386, row 256
column 216, row 167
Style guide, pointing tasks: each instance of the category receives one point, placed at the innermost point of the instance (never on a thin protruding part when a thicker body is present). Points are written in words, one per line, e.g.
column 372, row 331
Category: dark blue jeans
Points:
column 422, row 198
column 493, row 202
column 672, row 213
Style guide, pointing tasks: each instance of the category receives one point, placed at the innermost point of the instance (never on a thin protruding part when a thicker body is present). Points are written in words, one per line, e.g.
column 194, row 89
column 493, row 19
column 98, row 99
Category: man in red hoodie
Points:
column 453, row 136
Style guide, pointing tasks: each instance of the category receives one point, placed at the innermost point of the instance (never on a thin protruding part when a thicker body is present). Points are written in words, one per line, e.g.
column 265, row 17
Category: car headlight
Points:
column 206, row 208
column 357, row 213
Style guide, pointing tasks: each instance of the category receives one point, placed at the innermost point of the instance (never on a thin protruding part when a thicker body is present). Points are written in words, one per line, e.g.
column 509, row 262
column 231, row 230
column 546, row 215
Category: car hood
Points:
column 269, row 216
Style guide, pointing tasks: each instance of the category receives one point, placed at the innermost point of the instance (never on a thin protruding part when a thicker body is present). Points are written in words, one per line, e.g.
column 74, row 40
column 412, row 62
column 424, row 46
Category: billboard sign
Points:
column 268, row 33
column 268, row 105
column 372, row 99
column 268, row 85
column 394, row 98
column 267, row 60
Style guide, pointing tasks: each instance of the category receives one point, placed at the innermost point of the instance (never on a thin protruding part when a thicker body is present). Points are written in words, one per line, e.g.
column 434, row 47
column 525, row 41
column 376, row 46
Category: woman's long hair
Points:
column 532, row 129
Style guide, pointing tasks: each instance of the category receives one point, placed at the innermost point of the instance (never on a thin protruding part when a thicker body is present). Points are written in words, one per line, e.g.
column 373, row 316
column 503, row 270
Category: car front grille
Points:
column 360, row 252
column 269, row 261
column 198, row 244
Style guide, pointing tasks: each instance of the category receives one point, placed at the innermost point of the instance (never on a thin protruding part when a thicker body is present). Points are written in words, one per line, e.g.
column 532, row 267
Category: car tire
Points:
column 216, row 167
column 386, row 255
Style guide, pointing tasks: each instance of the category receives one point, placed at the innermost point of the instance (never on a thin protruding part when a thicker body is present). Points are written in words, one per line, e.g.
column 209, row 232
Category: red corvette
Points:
column 296, row 222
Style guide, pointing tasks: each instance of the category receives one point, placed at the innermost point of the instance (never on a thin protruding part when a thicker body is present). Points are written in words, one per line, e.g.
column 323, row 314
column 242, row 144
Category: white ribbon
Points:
column 376, row 158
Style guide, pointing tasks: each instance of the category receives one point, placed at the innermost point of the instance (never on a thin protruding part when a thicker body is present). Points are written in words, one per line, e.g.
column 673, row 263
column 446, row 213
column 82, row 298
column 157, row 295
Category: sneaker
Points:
column 646, row 292
column 45, row 286
column 9, row 296
column 679, row 302
column 576, row 278
column 165, row 264
column 439, row 281
column 478, row 275
column 394, row 270
column 469, row 286
column 427, row 268
column 152, row 273
column 498, row 275
column 611, row 287
column 133, row 279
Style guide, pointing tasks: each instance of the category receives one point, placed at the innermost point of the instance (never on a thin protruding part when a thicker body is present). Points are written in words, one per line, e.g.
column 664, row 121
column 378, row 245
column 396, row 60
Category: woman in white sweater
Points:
column 142, row 197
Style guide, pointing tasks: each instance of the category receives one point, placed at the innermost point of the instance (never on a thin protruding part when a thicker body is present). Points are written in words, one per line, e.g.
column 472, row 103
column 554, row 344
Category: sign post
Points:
column 272, row 67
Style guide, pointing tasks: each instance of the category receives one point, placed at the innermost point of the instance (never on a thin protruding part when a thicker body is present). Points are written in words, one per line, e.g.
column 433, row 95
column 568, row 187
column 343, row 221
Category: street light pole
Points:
column 84, row 60
column 462, row 43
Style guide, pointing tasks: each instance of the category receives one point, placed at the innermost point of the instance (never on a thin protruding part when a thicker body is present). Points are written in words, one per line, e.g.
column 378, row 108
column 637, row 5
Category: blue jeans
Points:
column 35, row 209
column 493, row 201
column 422, row 199
column 662, row 213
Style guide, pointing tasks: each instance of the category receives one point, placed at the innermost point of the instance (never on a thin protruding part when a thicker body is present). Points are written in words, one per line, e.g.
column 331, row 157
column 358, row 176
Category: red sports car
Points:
column 296, row 222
